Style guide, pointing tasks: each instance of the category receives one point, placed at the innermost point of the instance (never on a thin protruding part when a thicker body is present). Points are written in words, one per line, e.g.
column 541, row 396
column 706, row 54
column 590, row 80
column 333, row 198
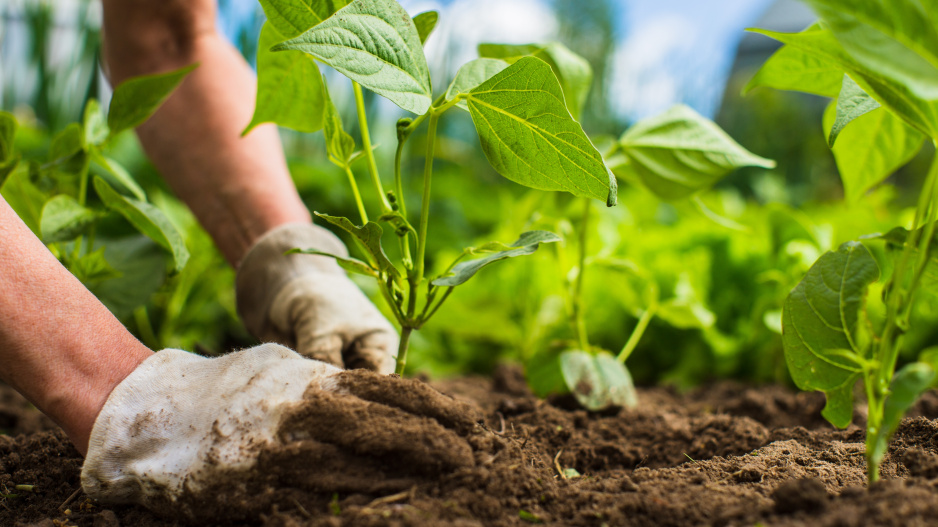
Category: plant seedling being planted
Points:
column 518, row 108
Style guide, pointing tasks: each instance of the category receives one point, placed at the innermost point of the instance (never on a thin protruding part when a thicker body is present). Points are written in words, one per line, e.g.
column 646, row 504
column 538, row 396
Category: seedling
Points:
column 881, row 65
column 518, row 107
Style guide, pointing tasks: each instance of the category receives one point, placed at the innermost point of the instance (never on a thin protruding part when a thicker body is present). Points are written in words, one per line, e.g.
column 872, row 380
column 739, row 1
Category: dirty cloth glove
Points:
column 184, row 432
column 308, row 303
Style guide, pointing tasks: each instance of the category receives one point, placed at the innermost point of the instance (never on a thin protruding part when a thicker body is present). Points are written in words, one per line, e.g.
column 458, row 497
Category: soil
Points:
column 722, row 455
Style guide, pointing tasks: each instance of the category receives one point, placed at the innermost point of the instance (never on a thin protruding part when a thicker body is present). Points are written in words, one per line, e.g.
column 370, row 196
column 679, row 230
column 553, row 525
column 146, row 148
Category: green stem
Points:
column 576, row 302
column 425, row 201
column 358, row 196
column 425, row 316
column 637, row 333
column 404, row 239
column 369, row 151
column 402, row 349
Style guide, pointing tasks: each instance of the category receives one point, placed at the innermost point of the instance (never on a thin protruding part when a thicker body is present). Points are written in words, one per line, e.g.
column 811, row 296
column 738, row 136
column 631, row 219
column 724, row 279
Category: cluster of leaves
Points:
column 879, row 62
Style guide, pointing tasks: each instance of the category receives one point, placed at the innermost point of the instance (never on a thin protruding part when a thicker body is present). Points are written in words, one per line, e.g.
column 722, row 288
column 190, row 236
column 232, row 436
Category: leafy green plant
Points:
column 518, row 108
column 880, row 64
column 73, row 198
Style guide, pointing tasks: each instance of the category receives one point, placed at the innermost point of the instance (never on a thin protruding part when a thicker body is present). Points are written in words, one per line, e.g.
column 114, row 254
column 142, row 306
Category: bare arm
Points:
column 239, row 188
column 59, row 346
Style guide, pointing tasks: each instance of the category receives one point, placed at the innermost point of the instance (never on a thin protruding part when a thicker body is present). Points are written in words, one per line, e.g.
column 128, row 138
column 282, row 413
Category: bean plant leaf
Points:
column 906, row 387
column 292, row 17
column 790, row 68
column 94, row 124
column 680, row 152
column 821, row 316
column 871, row 149
column 369, row 237
column 351, row 265
column 573, row 71
column 289, row 87
column 8, row 127
column 529, row 137
column 472, row 74
column 148, row 219
column 527, row 243
column 23, row 196
column 63, row 218
column 93, row 268
column 339, row 144
column 141, row 265
column 598, row 381
column 851, row 103
column 425, row 23
column 66, row 143
column 685, row 314
column 374, row 43
column 117, row 172
column 896, row 240
column 136, row 99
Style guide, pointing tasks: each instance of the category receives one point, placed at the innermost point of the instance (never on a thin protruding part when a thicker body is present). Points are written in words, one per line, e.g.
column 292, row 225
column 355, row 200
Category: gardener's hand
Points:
column 307, row 302
column 195, row 435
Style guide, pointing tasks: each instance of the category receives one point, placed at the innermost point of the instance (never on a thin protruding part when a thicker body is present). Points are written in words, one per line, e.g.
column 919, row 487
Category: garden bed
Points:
column 722, row 455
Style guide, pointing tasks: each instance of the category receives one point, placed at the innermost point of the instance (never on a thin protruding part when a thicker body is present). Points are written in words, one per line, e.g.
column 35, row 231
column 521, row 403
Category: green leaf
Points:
column 135, row 100
column 573, row 71
column 685, row 314
column 66, row 143
column 906, row 387
column 64, row 219
column 7, row 133
column 23, row 197
column 148, row 219
column 369, row 237
column 142, row 267
column 94, row 124
column 680, row 152
column 529, row 517
column 472, row 74
column 425, row 23
column 93, row 268
column 351, row 265
column 790, row 68
column 293, row 17
column 598, row 381
column 851, row 103
column 895, row 243
column 529, row 137
column 339, row 144
column 289, row 87
column 527, row 243
column 119, row 174
column 871, row 149
column 374, row 43
column 820, row 316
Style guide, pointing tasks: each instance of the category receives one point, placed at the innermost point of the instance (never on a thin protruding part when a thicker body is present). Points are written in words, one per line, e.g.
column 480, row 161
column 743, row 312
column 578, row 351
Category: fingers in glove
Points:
column 373, row 351
column 389, row 436
column 410, row 395
column 326, row 348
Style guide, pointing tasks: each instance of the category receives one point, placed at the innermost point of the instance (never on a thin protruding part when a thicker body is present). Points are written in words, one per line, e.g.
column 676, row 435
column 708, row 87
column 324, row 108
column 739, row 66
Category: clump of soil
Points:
column 723, row 455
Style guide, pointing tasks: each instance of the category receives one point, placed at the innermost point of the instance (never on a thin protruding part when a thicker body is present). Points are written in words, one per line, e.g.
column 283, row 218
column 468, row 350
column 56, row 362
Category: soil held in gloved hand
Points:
column 200, row 438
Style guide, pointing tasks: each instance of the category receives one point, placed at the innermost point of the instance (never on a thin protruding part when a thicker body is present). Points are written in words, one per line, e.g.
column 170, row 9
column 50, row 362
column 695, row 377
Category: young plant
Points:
column 518, row 107
column 880, row 63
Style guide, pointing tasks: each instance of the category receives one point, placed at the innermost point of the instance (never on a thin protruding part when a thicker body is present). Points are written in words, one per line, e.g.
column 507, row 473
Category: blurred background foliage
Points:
column 724, row 286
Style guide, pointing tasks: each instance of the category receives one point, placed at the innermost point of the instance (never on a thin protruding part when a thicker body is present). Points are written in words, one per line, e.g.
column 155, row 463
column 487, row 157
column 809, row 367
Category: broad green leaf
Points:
column 598, row 381
column 896, row 240
column 906, row 387
column 293, row 17
column 148, row 219
column 425, row 23
column 917, row 107
column 94, row 125
column 374, row 43
column 527, row 243
column 64, row 219
column 351, row 265
column 821, row 315
column 529, row 137
column 871, row 149
column 135, row 100
column 851, row 103
column 119, row 174
column 289, row 87
column 685, row 314
column 339, row 144
column 93, row 268
column 472, row 74
column 680, row 152
column 790, row 68
column 369, row 237
column 142, row 267
column 573, row 71
column 23, row 197
column 66, row 143
column 7, row 133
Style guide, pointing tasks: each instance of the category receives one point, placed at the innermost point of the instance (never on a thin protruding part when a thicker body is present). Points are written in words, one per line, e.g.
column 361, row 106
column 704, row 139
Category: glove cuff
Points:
column 266, row 270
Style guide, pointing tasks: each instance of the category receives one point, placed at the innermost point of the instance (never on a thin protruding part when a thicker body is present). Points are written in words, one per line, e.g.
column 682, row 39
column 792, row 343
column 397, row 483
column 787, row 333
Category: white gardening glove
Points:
column 308, row 303
column 210, row 437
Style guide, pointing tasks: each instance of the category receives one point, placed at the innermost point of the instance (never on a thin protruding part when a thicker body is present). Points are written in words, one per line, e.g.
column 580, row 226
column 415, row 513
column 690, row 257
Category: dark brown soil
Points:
column 723, row 455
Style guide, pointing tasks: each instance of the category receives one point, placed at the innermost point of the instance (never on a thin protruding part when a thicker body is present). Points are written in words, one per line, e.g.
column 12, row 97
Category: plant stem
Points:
column 402, row 349
column 425, row 201
column 358, row 196
column 576, row 302
column 369, row 151
column 637, row 333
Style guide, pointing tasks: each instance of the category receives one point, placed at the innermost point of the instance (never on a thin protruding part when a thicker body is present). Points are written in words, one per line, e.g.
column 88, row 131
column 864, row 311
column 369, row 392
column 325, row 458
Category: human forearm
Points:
column 59, row 346
column 239, row 188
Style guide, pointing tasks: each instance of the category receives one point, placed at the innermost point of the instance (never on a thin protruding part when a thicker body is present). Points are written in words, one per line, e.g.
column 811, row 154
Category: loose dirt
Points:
column 721, row 455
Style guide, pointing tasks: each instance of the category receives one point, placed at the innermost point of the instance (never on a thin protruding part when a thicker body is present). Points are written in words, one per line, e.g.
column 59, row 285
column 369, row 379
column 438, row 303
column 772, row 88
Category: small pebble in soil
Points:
column 807, row 494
